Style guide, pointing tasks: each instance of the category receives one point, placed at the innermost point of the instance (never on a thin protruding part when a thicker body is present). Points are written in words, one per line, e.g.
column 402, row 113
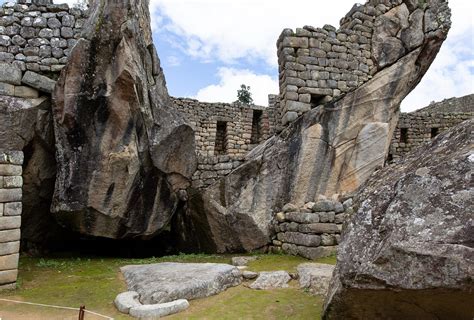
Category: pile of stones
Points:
column 313, row 231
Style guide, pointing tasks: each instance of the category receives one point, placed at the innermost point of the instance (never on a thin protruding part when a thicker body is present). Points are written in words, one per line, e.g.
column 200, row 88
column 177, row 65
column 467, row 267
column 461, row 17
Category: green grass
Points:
column 95, row 282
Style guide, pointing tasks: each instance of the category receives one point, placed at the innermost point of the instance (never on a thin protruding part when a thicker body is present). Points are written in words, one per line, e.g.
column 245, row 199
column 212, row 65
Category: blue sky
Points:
column 209, row 47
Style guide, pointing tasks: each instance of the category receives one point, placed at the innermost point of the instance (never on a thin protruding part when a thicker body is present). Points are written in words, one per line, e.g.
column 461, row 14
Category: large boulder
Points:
column 407, row 253
column 329, row 150
column 125, row 157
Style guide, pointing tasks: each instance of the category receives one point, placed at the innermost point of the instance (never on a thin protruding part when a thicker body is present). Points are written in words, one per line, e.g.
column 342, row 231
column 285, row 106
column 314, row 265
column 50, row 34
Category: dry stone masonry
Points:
column 312, row 231
column 224, row 134
column 319, row 64
column 420, row 127
column 11, row 183
column 35, row 41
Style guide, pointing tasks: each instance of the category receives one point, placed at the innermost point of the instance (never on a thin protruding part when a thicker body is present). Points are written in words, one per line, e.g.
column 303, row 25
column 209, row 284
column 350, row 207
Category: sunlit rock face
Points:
column 330, row 149
column 407, row 253
column 125, row 157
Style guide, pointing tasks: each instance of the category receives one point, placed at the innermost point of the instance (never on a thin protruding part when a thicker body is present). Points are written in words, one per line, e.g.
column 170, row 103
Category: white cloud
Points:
column 230, row 30
column 247, row 30
column 229, row 82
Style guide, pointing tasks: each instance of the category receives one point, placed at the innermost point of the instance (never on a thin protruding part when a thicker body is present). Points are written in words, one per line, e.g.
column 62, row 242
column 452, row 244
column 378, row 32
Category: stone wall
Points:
column 417, row 128
column 11, row 183
column 318, row 64
column 461, row 104
column 35, row 41
column 313, row 231
column 224, row 134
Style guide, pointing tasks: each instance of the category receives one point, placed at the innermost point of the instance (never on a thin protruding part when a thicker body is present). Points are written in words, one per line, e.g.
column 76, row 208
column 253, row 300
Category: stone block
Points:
column 318, row 228
column 297, row 106
column 295, row 42
column 11, row 157
column 10, row 74
column 7, row 223
column 8, row 276
column 38, row 81
column 26, row 92
column 10, row 170
column 1, row 204
column 9, row 262
column 12, row 182
column 308, row 240
column 324, row 206
column 7, row 89
column 10, row 195
column 12, row 209
column 5, row 287
column 8, row 248
column 314, row 253
column 301, row 217
column 9, row 235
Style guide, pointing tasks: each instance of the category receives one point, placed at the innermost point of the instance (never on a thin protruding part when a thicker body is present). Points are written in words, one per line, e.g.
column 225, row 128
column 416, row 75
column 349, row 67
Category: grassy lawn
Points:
column 94, row 282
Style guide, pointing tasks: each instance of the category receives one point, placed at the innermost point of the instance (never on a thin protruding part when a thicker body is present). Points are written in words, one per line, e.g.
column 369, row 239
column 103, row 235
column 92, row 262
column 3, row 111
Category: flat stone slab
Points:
column 271, row 280
column 156, row 311
column 315, row 277
column 169, row 281
column 126, row 301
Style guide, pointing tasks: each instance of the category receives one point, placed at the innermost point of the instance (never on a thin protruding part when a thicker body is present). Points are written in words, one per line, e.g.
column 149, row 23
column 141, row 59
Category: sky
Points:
column 208, row 48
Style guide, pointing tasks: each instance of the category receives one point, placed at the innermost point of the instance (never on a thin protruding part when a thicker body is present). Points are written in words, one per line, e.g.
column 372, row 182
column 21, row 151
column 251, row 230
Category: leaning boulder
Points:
column 331, row 149
column 315, row 277
column 125, row 157
column 407, row 252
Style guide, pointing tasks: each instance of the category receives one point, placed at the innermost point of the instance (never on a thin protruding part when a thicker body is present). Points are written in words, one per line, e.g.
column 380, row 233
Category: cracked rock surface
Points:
column 407, row 253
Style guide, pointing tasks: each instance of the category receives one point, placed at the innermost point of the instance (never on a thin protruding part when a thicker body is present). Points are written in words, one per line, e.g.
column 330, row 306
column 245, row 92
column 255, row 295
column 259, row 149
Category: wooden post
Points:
column 81, row 312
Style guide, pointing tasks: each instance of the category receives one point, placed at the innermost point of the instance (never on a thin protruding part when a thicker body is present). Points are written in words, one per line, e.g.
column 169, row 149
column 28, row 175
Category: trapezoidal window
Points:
column 221, row 138
column 434, row 132
column 404, row 135
column 316, row 100
column 256, row 127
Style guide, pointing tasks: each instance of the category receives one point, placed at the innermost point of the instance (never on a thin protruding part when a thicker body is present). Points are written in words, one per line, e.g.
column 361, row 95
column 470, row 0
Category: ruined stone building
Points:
column 224, row 134
column 419, row 127
column 119, row 158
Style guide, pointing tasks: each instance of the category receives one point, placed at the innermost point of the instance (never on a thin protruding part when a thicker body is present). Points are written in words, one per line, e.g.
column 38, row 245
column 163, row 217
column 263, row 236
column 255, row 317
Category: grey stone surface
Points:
column 242, row 261
column 249, row 275
column 138, row 192
column 37, row 81
column 156, row 311
column 411, row 238
column 9, row 235
column 268, row 280
column 165, row 282
column 315, row 277
column 127, row 300
column 10, row 74
column 9, row 248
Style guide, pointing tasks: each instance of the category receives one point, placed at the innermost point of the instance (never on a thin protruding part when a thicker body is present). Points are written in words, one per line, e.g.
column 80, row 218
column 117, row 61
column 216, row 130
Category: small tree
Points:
column 244, row 95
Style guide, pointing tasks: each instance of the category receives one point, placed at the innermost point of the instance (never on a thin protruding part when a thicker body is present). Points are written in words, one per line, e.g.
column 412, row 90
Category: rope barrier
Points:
column 56, row 307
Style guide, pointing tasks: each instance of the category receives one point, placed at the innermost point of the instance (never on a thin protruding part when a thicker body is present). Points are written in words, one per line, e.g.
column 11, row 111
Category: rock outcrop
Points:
column 331, row 149
column 125, row 157
column 407, row 253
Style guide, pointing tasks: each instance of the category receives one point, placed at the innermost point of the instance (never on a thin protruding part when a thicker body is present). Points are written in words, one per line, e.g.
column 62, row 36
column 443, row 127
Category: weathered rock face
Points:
column 329, row 150
column 27, row 125
column 124, row 156
column 407, row 253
